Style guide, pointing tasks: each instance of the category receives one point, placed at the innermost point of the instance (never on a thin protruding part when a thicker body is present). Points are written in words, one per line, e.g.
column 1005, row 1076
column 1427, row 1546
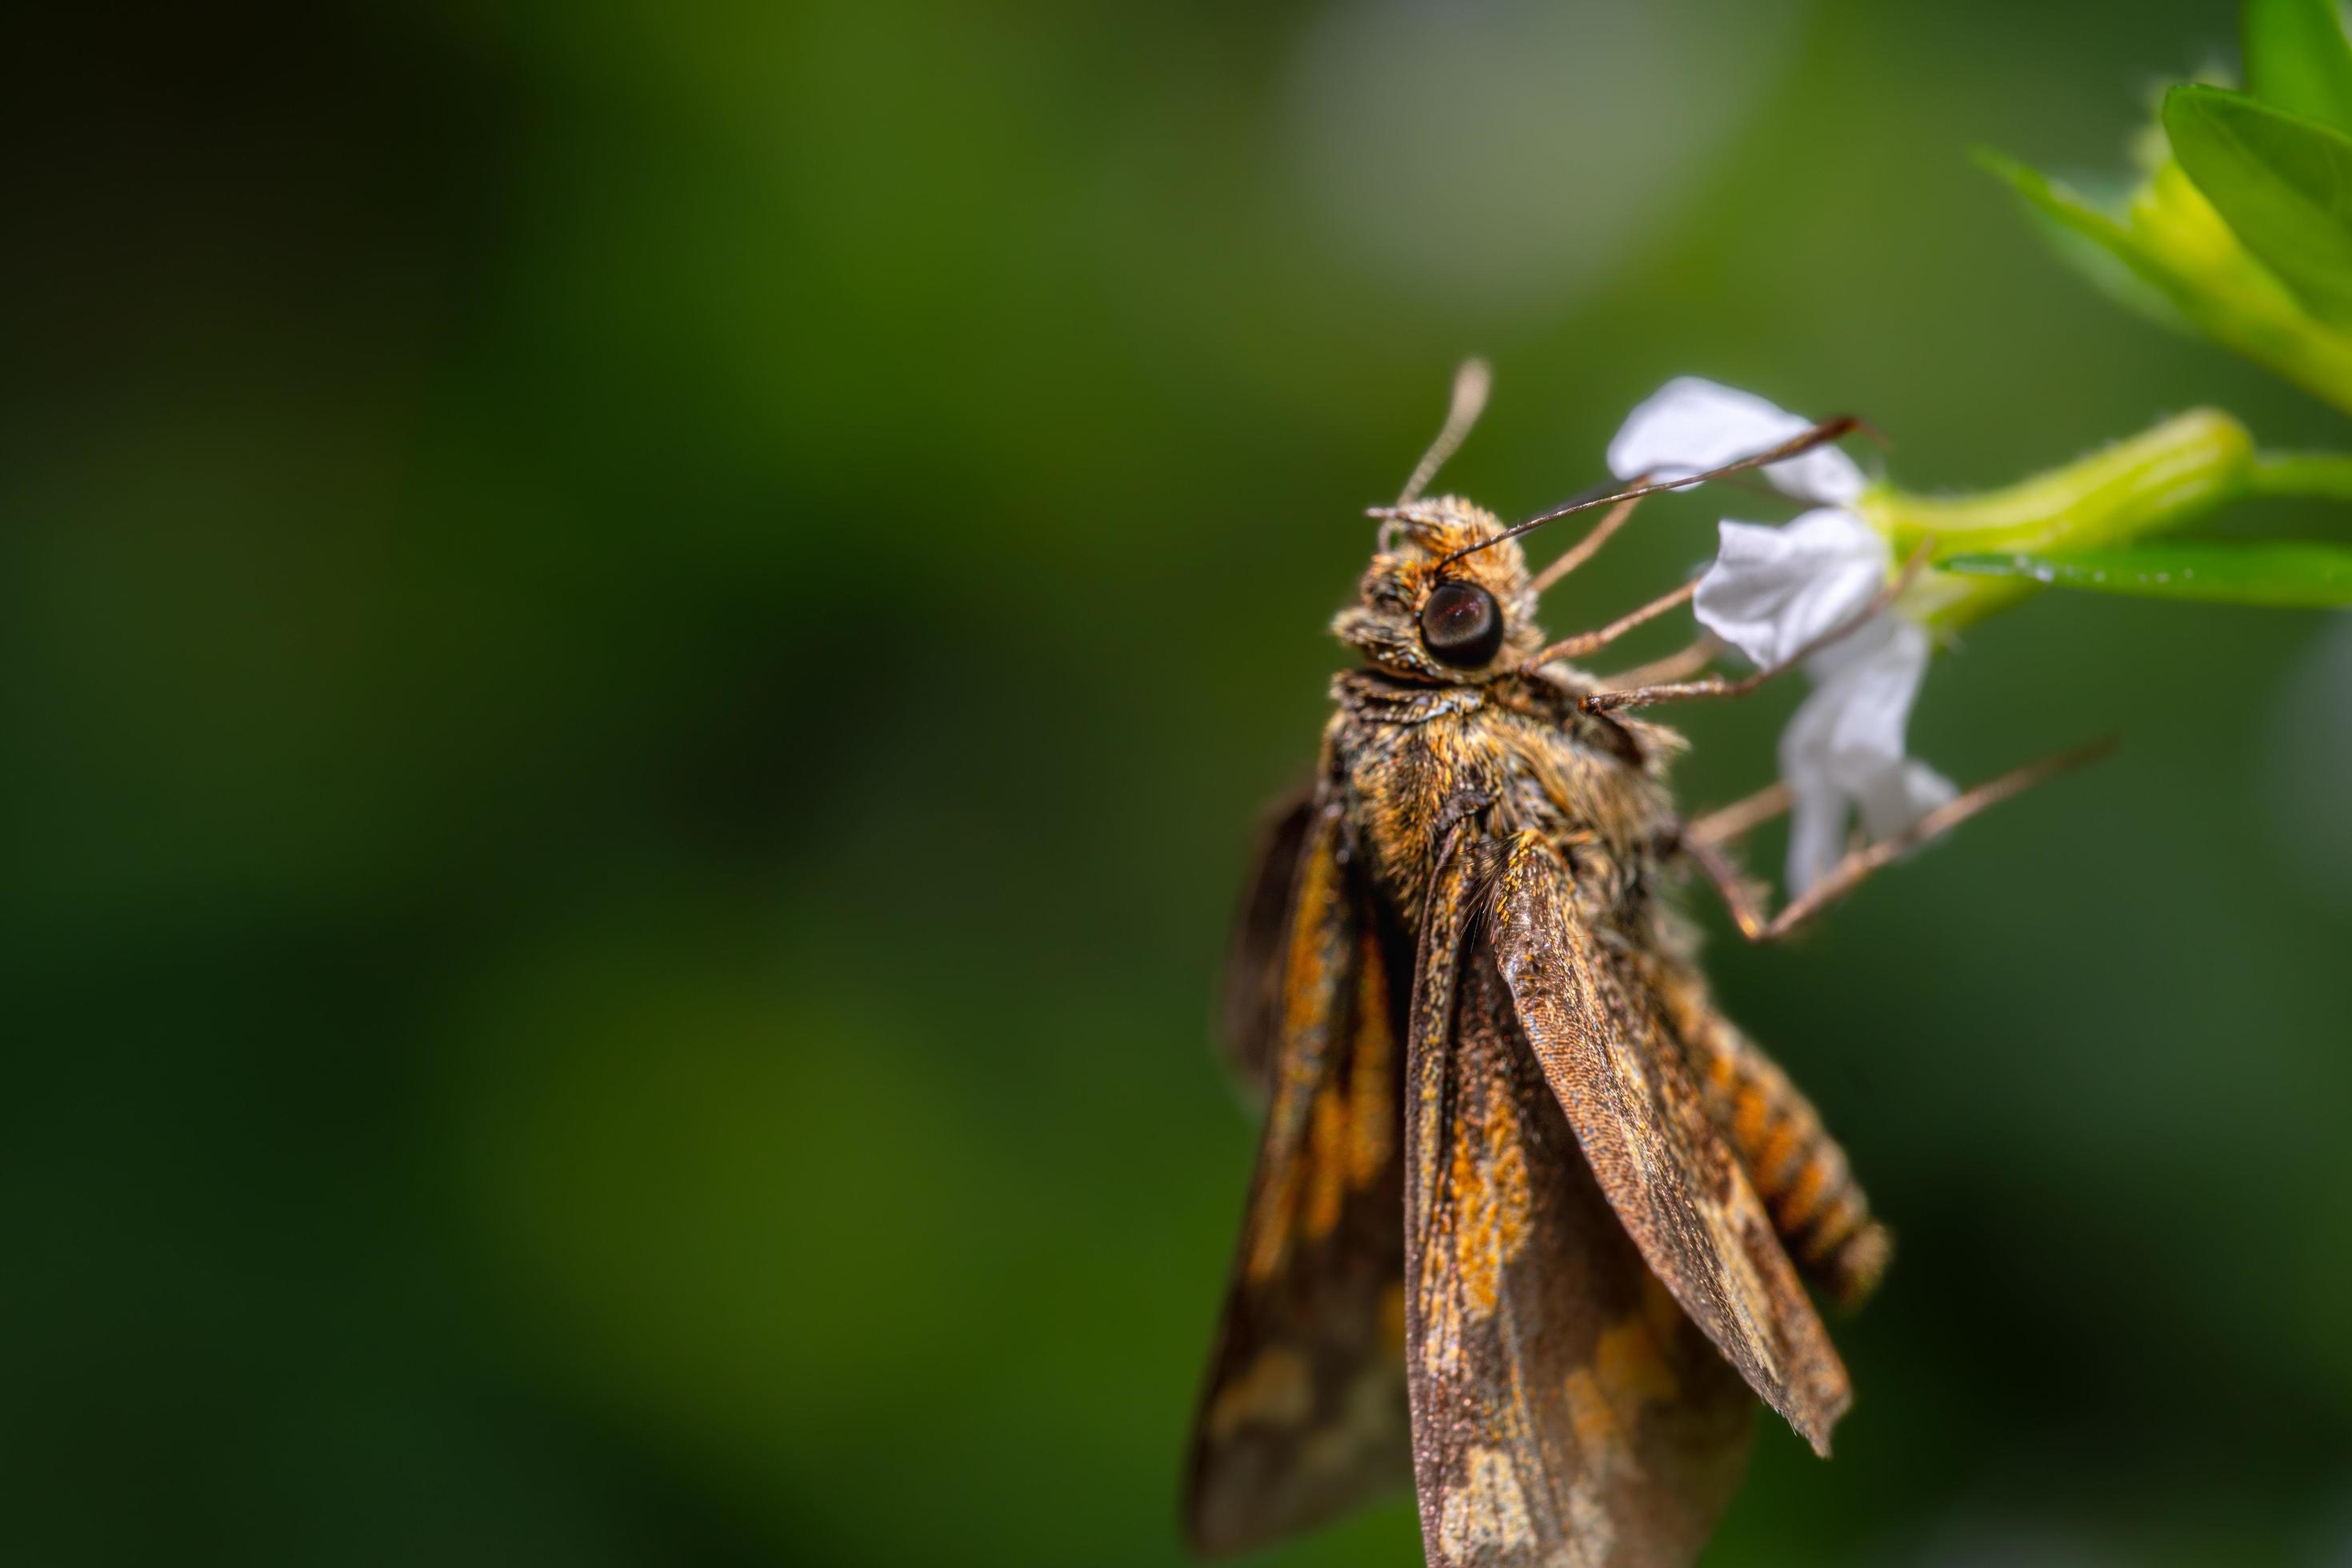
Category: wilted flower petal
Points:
column 1692, row 424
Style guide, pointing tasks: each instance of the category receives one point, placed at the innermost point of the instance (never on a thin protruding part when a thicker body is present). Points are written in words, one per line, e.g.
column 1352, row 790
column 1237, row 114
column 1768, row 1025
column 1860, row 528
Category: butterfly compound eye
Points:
column 1461, row 625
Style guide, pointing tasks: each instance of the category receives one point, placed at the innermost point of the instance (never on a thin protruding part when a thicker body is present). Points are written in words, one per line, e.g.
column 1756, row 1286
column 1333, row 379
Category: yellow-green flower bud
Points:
column 2156, row 480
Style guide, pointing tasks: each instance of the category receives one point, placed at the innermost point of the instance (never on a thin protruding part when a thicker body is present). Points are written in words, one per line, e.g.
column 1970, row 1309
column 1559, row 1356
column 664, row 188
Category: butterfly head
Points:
column 1427, row 612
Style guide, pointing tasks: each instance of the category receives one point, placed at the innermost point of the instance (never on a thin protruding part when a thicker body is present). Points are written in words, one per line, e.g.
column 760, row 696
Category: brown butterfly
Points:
column 1529, row 1215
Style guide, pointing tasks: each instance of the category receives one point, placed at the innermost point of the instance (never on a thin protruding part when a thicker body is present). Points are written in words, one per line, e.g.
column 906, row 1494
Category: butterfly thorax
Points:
column 1411, row 758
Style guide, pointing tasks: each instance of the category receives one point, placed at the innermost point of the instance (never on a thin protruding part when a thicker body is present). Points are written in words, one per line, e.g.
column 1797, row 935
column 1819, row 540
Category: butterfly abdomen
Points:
column 1796, row 1168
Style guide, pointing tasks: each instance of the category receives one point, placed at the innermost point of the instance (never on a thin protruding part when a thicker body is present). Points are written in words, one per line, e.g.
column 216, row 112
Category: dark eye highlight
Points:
column 1461, row 624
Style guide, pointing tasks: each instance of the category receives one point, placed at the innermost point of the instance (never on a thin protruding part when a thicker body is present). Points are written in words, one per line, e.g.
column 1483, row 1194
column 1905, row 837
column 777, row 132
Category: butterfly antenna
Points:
column 1470, row 383
column 1804, row 441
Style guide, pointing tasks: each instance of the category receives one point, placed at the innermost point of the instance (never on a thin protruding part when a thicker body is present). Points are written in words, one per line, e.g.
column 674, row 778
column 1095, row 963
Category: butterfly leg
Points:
column 1583, row 643
column 1584, row 549
column 1726, row 823
column 1679, row 665
column 1717, row 685
column 1740, row 898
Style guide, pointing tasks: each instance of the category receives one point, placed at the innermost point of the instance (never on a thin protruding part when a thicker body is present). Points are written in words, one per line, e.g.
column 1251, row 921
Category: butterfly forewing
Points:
column 1305, row 1414
column 1566, row 1412
column 1676, row 1188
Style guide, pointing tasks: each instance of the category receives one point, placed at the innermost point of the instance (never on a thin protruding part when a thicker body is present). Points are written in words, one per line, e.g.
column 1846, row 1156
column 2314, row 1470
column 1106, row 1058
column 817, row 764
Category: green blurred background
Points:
column 640, row 644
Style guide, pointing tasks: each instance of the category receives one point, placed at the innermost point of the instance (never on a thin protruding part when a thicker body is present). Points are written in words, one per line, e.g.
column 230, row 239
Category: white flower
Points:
column 1845, row 745
column 1771, row 591
column 1691, row 424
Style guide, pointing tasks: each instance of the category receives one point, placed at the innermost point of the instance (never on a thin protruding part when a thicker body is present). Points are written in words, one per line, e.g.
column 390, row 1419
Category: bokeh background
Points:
column 639, row 645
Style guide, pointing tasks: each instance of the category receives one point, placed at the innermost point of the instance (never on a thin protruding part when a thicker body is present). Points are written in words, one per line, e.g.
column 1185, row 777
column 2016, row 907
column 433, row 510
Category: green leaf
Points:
column 2286, row 573
column 2298, row 59
column 2093, row 243
column 2168, row 254
column 2282, row 183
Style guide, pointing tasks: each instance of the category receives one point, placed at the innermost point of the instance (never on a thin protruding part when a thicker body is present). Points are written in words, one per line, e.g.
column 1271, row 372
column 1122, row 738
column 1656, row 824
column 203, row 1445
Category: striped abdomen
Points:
column 1796, row 1166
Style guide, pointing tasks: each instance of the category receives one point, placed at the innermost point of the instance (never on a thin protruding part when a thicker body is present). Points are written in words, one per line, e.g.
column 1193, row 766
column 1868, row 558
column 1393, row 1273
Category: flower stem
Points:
column 2328, row 474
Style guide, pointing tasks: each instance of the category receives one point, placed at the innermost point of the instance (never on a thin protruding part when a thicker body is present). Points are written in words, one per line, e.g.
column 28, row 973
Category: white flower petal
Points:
column 1892, row 799
column 1844, row 747
column 1816, row 809
column 1771, row 591
column 1691, row 424
column 1862, row 704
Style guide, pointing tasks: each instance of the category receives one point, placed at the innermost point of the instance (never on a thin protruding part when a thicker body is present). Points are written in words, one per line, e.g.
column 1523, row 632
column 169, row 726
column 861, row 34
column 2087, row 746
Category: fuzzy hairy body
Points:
column 1405, row 760
column 1461, row 988
column 1408, row 760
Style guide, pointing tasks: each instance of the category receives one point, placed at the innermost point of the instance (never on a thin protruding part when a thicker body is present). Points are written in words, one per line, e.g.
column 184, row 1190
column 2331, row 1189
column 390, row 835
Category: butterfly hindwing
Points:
column 1249, row 1008
column 1677, row 1189
column 1565, row 1410
column 1305, row 1414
